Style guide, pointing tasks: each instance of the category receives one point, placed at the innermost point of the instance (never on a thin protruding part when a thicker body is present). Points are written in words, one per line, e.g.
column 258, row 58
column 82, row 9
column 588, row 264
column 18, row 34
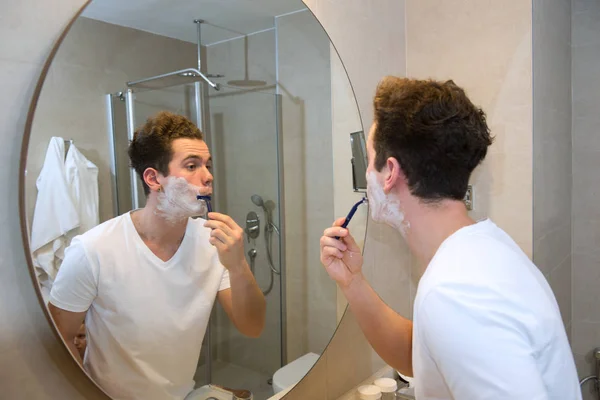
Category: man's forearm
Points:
column 249, row 305
column 389, row 333
column 67, row 324
column 74, row 351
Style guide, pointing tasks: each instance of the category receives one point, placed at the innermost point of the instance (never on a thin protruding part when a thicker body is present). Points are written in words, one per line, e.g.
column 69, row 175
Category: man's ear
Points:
column 151, row 177
column 395, row 177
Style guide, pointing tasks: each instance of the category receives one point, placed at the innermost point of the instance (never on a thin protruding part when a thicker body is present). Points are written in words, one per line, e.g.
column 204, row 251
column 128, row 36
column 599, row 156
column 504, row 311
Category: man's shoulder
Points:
column 110, row 231
column 477, row 259
column 485, row 244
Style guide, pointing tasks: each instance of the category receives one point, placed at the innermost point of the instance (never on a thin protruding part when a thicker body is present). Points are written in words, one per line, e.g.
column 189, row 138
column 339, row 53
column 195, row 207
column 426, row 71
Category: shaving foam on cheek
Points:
column 385, row 208
column 178, row 200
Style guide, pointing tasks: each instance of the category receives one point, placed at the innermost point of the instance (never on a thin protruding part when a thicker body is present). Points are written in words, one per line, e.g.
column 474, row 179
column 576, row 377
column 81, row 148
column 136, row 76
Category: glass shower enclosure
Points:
column 242, row 130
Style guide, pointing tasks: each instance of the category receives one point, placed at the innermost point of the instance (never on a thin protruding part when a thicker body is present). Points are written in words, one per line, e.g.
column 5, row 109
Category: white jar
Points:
column 388, row 388
column 369, row 392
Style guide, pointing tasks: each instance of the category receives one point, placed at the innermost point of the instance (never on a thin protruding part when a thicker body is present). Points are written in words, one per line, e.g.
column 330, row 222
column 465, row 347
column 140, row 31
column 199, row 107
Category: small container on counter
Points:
column 369, row 392
column 388, row 388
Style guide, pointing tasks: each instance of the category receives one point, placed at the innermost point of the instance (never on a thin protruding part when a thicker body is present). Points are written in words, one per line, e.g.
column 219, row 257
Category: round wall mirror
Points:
column 278, row 117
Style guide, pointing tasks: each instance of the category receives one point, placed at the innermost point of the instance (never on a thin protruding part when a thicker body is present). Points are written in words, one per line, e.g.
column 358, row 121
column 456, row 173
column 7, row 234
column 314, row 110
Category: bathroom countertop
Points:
column 281, row 394
column 385, row 372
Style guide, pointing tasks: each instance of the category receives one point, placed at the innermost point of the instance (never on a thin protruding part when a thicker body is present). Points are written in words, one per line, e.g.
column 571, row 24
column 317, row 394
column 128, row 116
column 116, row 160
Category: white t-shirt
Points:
column 146, row 318
column 487, row 325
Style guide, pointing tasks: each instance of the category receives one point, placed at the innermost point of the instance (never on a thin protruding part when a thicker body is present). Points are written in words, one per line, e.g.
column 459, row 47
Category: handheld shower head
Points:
column 258, row 201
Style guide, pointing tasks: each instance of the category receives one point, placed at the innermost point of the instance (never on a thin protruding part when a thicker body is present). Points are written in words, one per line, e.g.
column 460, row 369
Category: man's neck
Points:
column 431, row 225
column 152, row 227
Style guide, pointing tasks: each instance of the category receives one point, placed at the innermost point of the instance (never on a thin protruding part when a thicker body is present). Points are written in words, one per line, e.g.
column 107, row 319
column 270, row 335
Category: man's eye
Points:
column 191, row 167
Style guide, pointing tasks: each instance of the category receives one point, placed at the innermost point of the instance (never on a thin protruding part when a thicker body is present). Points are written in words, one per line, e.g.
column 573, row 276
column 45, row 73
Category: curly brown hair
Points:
column 151, row 144
column 434, row 131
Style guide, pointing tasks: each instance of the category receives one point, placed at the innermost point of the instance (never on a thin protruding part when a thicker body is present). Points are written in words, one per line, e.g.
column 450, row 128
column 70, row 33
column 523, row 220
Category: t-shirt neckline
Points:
column 149, row 253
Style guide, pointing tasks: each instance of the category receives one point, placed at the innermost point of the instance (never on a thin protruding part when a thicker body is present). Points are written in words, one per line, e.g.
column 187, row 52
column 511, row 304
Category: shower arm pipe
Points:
column 199, row 23
column 180, row 73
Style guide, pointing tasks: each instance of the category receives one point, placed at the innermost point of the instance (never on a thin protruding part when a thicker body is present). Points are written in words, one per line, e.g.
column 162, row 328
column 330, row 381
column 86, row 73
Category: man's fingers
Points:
column 332, row 242
column 220, row 236
column 350, row 243
column 339, row 221
column 217, row 243
column 330, row 253
column 335, row 232
column 223, row 218
column 214, row 225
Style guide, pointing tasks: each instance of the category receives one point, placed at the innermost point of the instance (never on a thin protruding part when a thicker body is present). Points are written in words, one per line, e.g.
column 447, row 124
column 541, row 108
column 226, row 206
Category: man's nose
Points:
column 207, row 179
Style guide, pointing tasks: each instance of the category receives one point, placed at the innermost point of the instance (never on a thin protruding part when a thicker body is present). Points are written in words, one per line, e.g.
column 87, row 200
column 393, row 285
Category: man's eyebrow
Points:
column 197, row 157
column 193, row 156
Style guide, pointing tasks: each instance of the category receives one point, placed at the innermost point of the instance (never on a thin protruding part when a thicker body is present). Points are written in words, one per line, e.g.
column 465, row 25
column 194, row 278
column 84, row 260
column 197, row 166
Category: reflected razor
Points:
column 207, row 201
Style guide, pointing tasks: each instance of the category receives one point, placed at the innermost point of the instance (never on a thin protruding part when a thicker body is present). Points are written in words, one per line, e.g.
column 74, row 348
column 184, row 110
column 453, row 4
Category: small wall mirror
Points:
column 359, row 161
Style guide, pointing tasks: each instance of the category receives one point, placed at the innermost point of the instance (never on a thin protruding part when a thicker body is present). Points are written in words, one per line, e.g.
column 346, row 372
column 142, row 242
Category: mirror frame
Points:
column 23, row 173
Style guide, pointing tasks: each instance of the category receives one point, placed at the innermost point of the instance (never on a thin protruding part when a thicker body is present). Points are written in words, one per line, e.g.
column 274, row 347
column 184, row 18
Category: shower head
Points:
column 258, row 201
column 246, row 82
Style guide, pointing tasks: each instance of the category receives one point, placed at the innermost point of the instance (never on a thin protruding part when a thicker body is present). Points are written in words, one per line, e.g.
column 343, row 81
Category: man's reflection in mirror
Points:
column 146, row 281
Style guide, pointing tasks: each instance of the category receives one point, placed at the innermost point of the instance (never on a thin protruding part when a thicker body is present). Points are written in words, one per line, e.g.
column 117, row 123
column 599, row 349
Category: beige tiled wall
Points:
column 552, row 172
column 586, row 183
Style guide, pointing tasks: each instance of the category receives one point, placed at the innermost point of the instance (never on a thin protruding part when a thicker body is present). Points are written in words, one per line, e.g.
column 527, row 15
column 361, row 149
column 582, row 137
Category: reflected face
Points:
column 192, row 161
column 189, row 176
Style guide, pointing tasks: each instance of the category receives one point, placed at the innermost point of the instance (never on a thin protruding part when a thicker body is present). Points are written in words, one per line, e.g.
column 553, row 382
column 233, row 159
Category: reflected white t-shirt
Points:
column 146, row 318
column 487, row 325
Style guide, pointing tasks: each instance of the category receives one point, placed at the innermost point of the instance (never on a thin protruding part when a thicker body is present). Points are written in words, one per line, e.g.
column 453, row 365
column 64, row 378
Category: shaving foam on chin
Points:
column 178, row 200
column 385, row 208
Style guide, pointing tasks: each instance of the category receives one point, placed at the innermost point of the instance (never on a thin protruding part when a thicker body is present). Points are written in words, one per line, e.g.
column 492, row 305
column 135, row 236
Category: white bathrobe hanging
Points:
column 60, row 210
column 82, row 179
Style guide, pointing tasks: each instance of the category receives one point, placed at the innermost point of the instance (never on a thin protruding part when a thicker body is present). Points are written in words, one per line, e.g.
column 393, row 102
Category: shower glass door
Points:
column 245, row 144
column 241, row 128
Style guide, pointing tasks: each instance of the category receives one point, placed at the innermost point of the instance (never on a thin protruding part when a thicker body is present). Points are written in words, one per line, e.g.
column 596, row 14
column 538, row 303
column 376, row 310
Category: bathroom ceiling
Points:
column 226, row 19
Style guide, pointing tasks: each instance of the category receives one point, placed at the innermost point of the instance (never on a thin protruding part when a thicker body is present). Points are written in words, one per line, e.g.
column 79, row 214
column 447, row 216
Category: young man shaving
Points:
column 486, row 323
column 146, row 281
